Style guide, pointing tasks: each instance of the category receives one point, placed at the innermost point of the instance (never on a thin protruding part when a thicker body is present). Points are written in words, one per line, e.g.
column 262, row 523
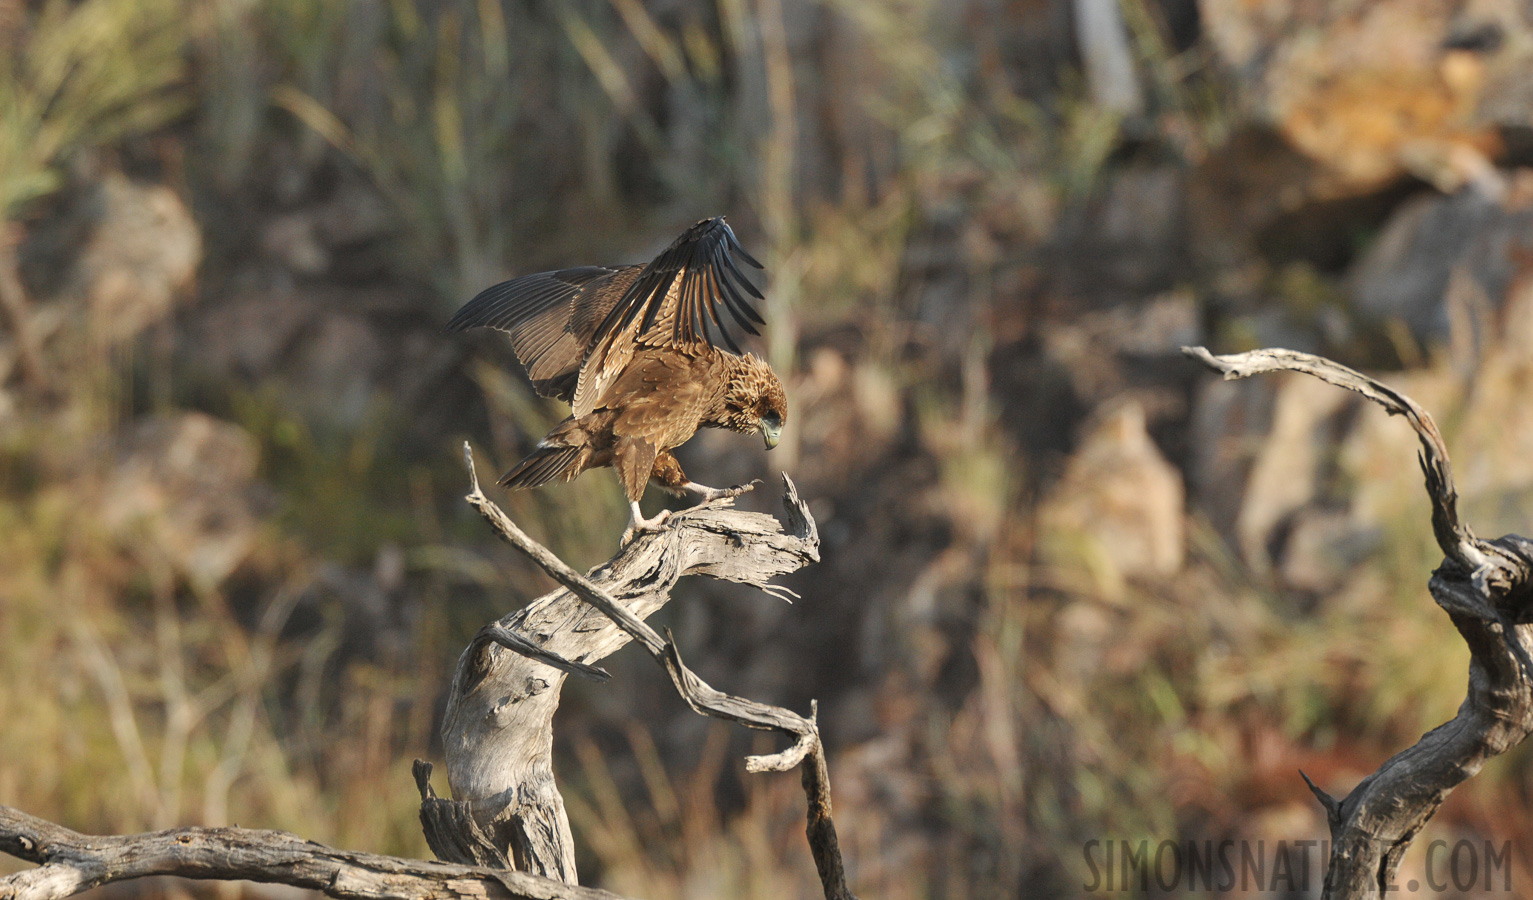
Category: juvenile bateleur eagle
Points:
column 632, row 349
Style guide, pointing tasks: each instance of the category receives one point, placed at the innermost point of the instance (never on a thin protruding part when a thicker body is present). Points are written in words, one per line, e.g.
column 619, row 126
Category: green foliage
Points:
column 344, row 493
column 85, row 75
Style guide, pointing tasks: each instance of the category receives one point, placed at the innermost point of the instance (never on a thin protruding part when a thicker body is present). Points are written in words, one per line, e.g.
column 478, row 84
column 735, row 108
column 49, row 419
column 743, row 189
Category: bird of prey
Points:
column 632, row 350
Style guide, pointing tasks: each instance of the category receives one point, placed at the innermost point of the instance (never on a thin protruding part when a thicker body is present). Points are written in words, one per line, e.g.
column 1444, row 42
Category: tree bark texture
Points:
column 69, row 862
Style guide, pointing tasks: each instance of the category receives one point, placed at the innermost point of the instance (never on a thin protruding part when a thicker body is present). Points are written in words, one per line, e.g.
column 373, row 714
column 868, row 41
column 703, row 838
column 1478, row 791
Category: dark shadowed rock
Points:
column 1484, row 237
column 1324, row 548
column 1229, row 421
column 1290, row 464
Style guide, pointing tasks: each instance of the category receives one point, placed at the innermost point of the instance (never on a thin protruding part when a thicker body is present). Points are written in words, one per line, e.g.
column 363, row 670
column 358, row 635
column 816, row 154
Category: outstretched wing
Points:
column 672, row 303
column 551, row 317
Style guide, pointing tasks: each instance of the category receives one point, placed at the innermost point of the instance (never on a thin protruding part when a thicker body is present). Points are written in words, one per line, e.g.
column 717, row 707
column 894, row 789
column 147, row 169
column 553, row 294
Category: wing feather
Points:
column 543, row 314
column 738, row 305
column 670, row 303
column 734, row 245
column 577, row 330
column 706, row 247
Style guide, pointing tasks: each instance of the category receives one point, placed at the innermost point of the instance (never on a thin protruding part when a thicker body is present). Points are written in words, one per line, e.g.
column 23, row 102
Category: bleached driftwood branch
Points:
column 1484, row 588
column 498, row 731
column 70, row 862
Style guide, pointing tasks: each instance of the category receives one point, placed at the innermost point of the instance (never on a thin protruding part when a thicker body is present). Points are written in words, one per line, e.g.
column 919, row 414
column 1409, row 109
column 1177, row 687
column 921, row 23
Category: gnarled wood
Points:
column 1484, row 588
column 498, row 731
column 70, row 862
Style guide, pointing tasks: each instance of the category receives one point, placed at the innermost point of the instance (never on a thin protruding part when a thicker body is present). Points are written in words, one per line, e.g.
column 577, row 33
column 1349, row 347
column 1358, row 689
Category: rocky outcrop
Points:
column 1118, row 508
column 1373, row 91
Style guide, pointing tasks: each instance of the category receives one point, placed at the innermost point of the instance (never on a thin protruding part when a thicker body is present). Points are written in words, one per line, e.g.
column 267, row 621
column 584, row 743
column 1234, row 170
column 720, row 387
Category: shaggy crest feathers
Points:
column 753, row 391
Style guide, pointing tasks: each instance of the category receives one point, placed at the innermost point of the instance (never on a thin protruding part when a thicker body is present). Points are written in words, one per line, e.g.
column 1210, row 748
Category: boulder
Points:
column 184, row 484
column 141, row 252
column 1373, row 91
column 1290, row 465
column 1471, row 249
column 1119, row 507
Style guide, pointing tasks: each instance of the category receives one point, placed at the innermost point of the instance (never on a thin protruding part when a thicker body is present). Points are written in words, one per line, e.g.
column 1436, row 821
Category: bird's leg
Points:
column 667, row 474
column 639, row 525
column 712, row 493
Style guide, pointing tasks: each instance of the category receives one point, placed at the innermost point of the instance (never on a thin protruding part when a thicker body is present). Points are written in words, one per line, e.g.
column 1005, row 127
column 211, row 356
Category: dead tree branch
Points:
column 69, row 862
column 505, row 835
column 498, row 732
column 1484, row 588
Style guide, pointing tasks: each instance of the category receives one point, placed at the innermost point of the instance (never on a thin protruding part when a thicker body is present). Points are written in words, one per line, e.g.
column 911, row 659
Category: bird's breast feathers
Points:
column 663, row 395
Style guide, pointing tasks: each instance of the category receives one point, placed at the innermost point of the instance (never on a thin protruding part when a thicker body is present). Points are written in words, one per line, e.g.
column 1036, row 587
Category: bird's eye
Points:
column 772, row 419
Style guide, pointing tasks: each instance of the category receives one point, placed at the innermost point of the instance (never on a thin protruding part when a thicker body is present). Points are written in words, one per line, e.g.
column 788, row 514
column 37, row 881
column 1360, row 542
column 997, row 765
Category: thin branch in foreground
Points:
column 1488, row 564
column 499, row 634
column 1484, row 586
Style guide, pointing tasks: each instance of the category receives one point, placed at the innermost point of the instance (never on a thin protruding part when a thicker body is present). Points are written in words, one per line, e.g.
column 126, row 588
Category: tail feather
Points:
column 545, row 464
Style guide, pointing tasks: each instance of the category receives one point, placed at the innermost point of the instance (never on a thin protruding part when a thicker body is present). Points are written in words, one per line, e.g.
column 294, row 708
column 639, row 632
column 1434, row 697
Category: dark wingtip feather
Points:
column 461, row 320
column 738, row 306
column 703, row 257
column 473, row 313
column 734, row 244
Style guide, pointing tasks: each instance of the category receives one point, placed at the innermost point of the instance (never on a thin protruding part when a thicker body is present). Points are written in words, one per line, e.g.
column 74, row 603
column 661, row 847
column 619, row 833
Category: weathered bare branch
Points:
column 1484, row 588
column 1453, row 536
column 498, row 731
column 505, row 637
column 70, row 862
column 452, row 829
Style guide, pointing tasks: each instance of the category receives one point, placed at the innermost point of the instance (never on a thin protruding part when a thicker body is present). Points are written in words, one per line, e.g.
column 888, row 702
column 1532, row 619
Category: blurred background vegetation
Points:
column 1073, row 587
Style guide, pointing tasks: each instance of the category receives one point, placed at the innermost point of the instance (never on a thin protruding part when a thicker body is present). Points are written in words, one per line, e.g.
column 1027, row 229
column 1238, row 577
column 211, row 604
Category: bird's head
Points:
column 754, row 401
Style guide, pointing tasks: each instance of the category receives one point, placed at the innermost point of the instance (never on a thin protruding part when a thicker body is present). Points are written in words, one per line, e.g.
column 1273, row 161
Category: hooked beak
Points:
column 770, row 435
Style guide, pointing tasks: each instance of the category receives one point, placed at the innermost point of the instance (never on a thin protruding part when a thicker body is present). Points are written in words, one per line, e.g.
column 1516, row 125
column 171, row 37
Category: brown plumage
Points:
column 631, row 349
